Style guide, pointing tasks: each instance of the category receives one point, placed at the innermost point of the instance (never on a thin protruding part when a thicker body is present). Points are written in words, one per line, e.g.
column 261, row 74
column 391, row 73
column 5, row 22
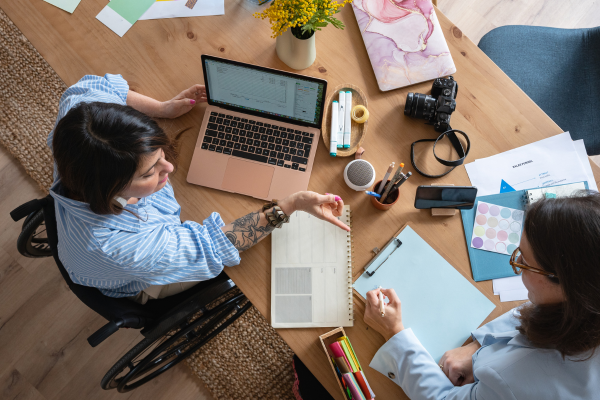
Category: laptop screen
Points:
column 266, row 92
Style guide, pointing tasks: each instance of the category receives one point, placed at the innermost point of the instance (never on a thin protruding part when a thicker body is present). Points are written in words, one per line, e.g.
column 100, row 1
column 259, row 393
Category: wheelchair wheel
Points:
column 32, row 241
column 166, row 346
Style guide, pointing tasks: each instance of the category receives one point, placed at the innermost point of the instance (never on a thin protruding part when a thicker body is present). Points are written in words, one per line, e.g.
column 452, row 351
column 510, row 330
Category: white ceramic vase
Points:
column 296, row 53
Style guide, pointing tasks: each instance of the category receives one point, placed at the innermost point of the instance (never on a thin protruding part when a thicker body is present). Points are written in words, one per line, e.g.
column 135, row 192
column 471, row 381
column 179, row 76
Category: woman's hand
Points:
column 391, row 323
column 458, row 364
column 326, row 207
column 183, row 102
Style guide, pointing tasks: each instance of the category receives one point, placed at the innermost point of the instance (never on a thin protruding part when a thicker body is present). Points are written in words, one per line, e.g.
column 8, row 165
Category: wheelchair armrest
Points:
column 103, row 333
column 25, row 209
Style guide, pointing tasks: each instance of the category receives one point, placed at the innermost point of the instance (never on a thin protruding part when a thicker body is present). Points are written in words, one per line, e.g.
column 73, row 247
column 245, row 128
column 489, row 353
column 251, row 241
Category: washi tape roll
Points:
column 358, row 110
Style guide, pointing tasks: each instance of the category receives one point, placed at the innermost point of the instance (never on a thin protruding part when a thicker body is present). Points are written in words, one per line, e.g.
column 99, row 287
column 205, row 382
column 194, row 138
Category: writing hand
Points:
column 389, row 325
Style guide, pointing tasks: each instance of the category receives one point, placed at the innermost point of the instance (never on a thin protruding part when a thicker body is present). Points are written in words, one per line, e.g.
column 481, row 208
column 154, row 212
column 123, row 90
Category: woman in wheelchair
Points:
column 118, row 221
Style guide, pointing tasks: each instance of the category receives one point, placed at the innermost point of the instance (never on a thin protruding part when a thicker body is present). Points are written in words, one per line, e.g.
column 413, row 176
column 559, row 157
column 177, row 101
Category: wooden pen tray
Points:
column 358, row 131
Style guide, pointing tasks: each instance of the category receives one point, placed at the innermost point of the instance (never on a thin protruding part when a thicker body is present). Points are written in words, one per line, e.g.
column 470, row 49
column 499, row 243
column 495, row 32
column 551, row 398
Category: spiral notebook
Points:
column 311, row 273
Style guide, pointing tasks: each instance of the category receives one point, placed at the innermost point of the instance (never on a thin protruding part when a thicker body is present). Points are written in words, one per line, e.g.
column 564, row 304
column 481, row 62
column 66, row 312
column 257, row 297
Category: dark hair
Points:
column 98, row 147
column 564, row 235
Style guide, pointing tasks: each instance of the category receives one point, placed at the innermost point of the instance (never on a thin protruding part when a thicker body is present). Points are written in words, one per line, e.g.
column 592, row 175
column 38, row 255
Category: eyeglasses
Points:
column 518, row 268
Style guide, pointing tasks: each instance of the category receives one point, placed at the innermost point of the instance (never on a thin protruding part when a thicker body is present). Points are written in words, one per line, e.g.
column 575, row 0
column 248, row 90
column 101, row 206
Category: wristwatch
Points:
column 275, row 217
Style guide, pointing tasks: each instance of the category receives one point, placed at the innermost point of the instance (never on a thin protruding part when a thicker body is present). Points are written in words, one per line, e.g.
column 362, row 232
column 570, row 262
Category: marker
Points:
column 381, row 303
column 334, row 129
column 341, row 119
column 385, row 178
column 348, row 120
column 377, row 196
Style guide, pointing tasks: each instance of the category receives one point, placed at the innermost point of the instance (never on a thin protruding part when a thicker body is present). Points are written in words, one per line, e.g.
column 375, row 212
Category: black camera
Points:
column 437, row 108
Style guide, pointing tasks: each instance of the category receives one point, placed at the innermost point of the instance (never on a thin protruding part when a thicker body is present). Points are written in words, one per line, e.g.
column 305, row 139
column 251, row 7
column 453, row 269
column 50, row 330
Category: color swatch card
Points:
column 120, row 15
column 497, row 229
column 67, row 5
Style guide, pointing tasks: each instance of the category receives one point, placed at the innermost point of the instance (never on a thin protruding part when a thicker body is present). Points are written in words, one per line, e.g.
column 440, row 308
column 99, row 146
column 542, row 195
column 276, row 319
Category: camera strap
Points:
column 462, row 154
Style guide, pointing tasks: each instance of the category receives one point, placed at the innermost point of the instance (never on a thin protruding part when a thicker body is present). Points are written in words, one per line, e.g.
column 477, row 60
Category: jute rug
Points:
column 248, row 360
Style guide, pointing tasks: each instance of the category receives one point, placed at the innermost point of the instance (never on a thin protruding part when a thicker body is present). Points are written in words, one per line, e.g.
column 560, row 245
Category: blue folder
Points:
column 486, row 264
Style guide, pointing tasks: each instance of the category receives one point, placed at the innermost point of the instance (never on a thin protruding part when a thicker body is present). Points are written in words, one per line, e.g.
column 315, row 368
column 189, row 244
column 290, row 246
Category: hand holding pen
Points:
column 391, row 324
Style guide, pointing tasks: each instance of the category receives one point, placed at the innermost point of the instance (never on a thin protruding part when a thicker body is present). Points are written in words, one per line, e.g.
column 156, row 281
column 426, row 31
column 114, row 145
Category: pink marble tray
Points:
column 404, row 41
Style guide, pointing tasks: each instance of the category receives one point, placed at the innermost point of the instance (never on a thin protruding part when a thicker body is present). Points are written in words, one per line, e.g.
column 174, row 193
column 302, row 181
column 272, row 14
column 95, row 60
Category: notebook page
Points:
column 310, row 273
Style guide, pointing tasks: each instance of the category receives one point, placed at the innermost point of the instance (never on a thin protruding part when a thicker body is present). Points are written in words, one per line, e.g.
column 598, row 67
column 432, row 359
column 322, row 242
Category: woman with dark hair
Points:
column 117, row 217
column 545, row 349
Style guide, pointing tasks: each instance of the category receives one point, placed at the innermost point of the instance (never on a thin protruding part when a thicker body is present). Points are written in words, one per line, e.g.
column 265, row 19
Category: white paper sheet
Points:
column 513, row 295
column 177, row 9
column 510, row 283
column 552, row 161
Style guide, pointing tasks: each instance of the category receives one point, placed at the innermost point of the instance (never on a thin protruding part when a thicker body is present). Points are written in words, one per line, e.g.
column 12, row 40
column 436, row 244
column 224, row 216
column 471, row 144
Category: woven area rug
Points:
column 29, row 95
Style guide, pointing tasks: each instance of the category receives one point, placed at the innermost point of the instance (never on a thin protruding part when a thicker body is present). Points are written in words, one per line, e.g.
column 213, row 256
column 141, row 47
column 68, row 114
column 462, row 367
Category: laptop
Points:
column 260, row 130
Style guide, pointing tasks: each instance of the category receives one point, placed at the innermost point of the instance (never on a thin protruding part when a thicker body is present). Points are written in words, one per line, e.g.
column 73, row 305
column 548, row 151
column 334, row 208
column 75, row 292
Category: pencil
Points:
column 385, row 178
column 394, row 180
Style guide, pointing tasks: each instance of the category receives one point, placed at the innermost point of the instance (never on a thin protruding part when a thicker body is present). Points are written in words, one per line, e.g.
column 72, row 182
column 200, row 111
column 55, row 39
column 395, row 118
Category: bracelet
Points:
column 275, row 217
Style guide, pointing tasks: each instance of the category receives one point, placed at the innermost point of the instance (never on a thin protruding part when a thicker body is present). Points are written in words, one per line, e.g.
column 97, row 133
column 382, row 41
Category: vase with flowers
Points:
column 293, row 25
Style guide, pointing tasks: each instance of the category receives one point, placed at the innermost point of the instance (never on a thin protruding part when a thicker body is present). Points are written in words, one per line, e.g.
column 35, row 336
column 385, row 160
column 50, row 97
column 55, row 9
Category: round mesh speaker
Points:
column 359, row 175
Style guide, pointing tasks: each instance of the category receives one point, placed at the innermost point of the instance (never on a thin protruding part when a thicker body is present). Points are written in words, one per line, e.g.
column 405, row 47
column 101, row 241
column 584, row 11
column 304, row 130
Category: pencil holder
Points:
column 393, row 196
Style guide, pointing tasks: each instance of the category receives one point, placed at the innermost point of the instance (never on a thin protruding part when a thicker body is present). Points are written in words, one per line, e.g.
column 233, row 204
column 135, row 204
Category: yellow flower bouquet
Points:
column 304, row 17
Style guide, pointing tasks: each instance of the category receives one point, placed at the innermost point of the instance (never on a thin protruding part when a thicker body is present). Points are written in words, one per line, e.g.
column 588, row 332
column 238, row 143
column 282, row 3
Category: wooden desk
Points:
column 161, row 58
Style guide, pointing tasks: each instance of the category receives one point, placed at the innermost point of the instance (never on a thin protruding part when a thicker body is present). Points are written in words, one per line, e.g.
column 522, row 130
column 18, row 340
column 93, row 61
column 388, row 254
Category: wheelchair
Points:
column 173, row 327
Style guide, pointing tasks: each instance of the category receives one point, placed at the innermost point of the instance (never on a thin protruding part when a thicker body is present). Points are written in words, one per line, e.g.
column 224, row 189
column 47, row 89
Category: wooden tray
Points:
column 359, row 131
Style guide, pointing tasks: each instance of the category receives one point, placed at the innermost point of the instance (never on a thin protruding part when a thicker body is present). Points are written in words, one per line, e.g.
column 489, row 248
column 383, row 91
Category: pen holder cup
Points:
column 393, row 196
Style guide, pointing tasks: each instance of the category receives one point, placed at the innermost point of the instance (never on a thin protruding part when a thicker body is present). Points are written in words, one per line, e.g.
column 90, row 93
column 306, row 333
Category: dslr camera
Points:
column 437, row 108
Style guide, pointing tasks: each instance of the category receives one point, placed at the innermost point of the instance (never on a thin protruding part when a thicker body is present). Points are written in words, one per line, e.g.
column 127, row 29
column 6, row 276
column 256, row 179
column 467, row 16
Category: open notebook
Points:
column 311, row 273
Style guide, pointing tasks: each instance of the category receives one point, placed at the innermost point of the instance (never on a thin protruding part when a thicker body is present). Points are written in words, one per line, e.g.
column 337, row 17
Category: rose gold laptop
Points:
column 260, row 131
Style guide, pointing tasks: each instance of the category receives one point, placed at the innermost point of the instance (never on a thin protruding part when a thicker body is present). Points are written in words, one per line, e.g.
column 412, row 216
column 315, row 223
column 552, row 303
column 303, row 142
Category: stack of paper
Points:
column 554, row 161
column 557, row 160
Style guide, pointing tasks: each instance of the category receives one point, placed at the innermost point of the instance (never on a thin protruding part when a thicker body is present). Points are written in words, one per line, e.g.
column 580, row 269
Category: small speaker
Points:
column 359, row 175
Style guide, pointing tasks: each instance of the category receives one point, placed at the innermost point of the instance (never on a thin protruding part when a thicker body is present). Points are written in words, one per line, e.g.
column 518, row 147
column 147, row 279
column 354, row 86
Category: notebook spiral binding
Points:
column 350, row 251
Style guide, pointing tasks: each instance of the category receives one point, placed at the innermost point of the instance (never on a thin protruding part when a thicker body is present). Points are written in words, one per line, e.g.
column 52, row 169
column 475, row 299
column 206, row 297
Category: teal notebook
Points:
column 485, row 264
column 439, row 304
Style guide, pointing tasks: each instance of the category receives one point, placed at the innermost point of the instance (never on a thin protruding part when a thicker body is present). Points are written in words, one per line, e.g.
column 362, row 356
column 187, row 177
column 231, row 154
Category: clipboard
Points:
column 439, row 303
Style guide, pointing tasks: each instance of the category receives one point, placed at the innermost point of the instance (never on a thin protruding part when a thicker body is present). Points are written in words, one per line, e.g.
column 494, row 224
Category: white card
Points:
column 497, row 228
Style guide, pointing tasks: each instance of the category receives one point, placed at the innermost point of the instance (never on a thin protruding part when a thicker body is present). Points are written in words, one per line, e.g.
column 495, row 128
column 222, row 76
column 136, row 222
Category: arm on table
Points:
column 404, row 360
column 177, row 106
column 250, row 229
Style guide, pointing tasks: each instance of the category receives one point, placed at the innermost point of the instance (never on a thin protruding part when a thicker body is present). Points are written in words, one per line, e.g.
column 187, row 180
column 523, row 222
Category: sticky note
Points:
column 120, row 15
column 67, row 5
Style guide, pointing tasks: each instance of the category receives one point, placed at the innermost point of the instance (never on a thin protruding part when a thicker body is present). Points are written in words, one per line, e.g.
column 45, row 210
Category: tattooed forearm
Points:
column 248, row 230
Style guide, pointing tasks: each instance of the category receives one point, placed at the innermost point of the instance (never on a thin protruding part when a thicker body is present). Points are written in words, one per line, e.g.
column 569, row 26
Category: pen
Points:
column 377, row 196
column 394, row 179
column 385, row 178
column 381, row 303
column 334, row 129
column 390, row 186
column 398, row 184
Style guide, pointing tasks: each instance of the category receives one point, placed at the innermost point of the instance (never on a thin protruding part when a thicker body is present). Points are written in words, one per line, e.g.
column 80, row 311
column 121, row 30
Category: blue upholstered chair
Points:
column 559, row 69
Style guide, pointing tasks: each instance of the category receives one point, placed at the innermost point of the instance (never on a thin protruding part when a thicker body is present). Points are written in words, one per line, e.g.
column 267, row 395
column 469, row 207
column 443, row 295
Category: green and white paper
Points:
column 120, row 15
column 67, row 5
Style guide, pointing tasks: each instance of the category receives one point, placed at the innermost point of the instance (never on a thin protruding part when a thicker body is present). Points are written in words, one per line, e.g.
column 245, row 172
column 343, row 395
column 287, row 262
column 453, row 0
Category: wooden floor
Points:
column 43, row 327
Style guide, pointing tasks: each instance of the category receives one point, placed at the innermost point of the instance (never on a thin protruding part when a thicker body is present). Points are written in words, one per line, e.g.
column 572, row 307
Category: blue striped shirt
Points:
column 121, row 254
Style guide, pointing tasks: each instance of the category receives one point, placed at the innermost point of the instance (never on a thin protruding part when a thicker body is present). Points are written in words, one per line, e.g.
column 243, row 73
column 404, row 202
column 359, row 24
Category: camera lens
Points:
column 419, row 105
column 409, row 101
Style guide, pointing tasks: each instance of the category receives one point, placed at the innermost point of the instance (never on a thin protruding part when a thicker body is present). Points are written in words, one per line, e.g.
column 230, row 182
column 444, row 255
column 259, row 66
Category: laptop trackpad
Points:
column 248, row 178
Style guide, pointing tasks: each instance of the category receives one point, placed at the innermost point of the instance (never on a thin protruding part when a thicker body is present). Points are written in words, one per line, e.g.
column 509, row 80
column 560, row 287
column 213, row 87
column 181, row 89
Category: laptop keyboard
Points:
column 257, row 141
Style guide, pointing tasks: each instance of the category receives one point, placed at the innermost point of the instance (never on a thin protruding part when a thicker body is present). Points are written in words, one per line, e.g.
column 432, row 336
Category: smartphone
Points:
column 458, row 197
